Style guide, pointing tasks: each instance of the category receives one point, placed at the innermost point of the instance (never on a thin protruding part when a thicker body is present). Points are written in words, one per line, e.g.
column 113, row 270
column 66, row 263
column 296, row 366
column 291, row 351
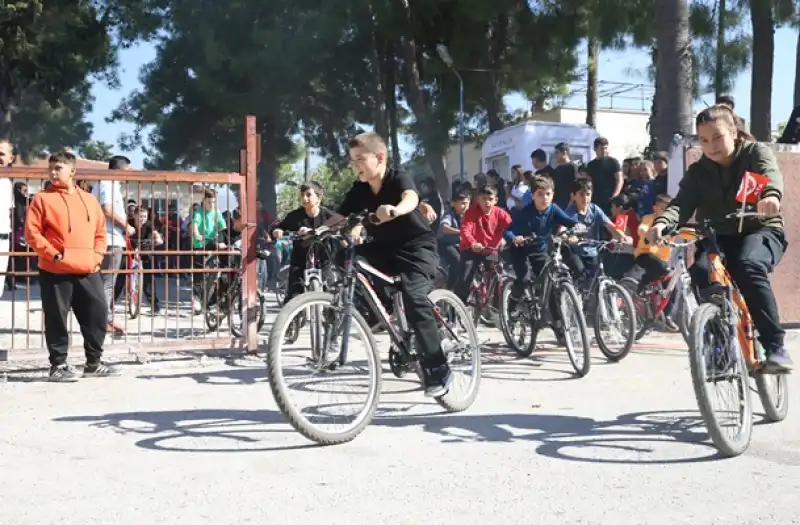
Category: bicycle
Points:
column 485, row 291
column 331, row 313
column 555, row 277
column 133, row 281
column 654, row 301
column 233, row 303
column 612, row 306
column 735, row 355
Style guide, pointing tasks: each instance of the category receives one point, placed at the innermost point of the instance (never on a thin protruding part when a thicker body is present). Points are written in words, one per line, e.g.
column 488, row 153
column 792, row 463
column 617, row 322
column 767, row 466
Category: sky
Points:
column 627, row 66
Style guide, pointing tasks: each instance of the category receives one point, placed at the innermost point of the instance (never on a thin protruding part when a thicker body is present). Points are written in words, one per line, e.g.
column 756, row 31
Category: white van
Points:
column 514, row 145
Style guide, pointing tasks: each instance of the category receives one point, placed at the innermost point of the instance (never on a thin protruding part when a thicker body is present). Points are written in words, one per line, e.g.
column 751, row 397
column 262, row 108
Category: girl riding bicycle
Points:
column 735, row 170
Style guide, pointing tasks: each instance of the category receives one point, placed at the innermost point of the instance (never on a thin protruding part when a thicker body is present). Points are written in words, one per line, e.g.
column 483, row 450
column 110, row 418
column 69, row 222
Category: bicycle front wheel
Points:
column 716, row 360
column 328, row 371
column 576, row 337
column 614, row 321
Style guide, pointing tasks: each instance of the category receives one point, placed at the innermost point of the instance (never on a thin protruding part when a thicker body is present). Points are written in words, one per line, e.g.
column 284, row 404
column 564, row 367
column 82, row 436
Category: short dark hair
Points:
column 661, row 155
column 579, row 185
column 63, row 156
column 727, row 100
column 460, row 196
column 118, row 162
column 542, row 183
column 600, row 141
column 621, row 201
column 487, row 190
column 209, row 194
column 539, row 155
column 312, row 185
column 666, row 198
column 563, row 147
column 493, row 173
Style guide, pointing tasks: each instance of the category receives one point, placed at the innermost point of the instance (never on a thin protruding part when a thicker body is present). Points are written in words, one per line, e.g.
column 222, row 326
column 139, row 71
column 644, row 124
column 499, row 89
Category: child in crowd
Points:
column 625, row 220
column 481, row 234
column 449, row 236
column 651, row 258
column 146, row 238
column 585, row 212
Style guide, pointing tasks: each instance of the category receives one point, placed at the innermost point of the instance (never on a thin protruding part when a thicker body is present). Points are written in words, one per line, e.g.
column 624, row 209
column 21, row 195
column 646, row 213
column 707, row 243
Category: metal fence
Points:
column 158, row 285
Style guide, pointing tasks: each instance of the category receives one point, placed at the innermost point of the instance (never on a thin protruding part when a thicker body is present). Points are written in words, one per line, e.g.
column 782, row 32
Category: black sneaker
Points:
column 63, row 374
column 437, row 380
column 101, row 370
column 778, row 361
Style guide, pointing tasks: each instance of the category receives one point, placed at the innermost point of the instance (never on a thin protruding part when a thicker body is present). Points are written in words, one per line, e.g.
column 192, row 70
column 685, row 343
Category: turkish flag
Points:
column 751, row 187
column 621, row 222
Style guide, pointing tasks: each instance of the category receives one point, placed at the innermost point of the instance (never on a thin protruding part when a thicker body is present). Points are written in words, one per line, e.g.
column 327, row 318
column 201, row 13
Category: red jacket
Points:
column 483, row 228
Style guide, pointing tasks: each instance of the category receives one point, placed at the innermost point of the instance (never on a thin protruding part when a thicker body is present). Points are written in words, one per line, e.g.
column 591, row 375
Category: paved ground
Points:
column 201, row 442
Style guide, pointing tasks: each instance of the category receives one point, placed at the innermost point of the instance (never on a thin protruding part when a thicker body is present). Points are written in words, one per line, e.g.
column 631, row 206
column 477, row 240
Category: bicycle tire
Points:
column 275, row 375
column 236, row 329
column 522, row 349
column 704, row 315
column 623, row 294
column 567, row 289
column 774, row 409
column 212, row 316
column 687, row 309
column 450, row 401
column 134, row 299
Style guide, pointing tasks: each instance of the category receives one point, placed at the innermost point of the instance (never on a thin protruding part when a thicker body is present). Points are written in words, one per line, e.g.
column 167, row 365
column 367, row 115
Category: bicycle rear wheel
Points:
column 235, row 317
column 713, row 359
column 773, row 391
column 574, row 324
column 461, row 347
column 324, row 364
column 517, row 328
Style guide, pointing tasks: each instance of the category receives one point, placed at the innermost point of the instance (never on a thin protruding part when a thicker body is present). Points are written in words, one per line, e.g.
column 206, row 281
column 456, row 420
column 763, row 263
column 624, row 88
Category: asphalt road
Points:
column 202, row 443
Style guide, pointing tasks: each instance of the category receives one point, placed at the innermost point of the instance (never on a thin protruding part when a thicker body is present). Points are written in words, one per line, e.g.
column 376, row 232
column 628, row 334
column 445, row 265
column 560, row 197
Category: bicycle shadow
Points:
column 237, row 430
column 635, row 438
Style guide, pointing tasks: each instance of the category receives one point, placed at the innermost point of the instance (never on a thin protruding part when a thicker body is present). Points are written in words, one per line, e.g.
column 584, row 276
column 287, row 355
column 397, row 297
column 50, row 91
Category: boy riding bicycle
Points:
column 585, row 212
column 734, row 171
column 540, row 219
column 403, row 245
column 481, row 234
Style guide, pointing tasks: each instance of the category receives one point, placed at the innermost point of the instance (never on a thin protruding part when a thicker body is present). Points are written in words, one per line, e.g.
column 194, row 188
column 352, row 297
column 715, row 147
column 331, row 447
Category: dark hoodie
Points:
column 68, row 223
column 711, row 189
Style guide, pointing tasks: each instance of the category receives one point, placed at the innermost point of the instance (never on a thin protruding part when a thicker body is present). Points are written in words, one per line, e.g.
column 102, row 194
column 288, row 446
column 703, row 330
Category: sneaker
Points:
column 437, row 380
column 197, row 308
column 101, row 370
column 670, row 325
column 63, row 374
column 778, row 361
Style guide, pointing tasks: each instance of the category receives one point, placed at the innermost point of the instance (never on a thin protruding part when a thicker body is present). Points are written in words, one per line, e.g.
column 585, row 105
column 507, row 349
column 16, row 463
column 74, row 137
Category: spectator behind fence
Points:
column 109, row 195
column 6, row 207
column 66, row 228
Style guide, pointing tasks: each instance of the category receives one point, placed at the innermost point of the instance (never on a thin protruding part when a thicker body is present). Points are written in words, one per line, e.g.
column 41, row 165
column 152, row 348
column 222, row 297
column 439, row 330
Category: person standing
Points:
column 109, row 195
column 66, row 227
column 606, row 175
column 564, row 175
column 6, row 206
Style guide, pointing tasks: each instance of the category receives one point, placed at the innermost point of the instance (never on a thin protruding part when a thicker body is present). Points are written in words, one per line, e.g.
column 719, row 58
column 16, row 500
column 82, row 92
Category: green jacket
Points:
column 710, row 190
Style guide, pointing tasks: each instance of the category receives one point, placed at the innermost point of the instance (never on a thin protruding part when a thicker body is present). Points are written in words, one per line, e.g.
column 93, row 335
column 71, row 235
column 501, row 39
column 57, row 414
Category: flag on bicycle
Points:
column 751, row 187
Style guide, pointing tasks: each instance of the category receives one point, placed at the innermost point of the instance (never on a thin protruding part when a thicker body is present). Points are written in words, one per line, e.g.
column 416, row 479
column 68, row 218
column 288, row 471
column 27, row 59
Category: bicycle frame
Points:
column 676, row 275
column 487, row 278
column 734, row 308
column 553, row 271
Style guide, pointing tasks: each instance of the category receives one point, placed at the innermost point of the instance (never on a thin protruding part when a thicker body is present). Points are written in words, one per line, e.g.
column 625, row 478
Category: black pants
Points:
column 528, row 264
column 297, row 269
column 451, row 259
column 470, row 261
column 653, row 268
column 749, row 259
column 416, row 267
column 617, row 264
column 85, row 295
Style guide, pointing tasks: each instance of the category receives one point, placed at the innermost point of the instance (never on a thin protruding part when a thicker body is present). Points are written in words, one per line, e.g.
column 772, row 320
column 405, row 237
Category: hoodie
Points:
column 710, row 190
column 67, row 223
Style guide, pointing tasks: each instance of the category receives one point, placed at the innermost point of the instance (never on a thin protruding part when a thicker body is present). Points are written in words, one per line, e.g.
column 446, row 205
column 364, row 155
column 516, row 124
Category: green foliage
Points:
column 47, row 51
column 96, row 150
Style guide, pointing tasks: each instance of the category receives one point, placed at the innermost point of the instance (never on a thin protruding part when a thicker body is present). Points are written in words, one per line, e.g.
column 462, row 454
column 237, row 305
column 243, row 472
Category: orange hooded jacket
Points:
column 68, row 223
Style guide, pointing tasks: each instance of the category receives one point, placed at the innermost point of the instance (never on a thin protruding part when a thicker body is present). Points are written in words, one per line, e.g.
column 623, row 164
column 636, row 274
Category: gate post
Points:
column 248, row 194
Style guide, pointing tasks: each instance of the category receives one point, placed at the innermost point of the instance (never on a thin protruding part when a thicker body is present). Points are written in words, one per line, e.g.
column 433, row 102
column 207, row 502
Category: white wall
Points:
column 626, row 130
column 472, row 161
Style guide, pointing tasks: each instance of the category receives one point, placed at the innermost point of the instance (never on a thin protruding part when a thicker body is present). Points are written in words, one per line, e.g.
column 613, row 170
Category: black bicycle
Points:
column 610, row 307
column 530, row 314
column 331, row 316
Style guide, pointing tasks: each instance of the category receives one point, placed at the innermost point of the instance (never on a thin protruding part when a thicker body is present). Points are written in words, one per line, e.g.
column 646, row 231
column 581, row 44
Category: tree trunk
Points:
column 797, row 73
column 593, row 48
column 763, row 57
column 651, row 122
column 390, row 72
column 381, row 122
column 419, row 105
column 718, row 69
column 675, row 73
column 268, row 168
column 497, row 35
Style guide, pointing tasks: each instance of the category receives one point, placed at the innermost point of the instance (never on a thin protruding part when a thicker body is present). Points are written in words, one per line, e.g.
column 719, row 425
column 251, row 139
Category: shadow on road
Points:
column 646, row 438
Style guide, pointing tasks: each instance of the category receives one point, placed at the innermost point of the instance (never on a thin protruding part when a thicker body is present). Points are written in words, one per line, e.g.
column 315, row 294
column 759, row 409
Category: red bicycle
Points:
column 485, row 295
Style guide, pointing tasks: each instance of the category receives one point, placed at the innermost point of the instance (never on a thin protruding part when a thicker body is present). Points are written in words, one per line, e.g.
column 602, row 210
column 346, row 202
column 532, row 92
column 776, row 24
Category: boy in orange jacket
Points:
column 66, row 228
